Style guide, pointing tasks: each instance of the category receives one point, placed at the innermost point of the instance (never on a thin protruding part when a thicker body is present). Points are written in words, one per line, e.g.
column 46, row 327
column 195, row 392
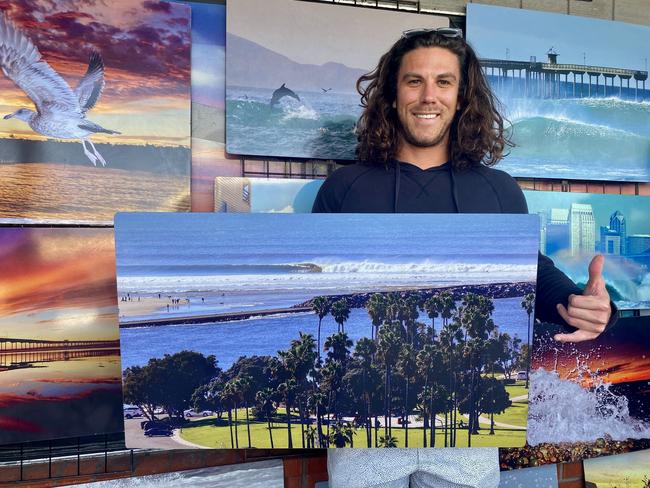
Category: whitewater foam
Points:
column 563, row 411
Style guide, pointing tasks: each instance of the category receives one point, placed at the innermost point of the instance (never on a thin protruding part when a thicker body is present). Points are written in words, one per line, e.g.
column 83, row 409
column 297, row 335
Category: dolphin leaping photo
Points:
column 281, row 92
column 60, row 111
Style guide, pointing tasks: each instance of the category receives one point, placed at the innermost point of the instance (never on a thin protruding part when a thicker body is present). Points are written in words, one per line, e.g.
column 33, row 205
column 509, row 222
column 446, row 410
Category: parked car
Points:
column 193, row 413
column 132, row 411
column 148, row 424
column 522, row 375
column 161, row 430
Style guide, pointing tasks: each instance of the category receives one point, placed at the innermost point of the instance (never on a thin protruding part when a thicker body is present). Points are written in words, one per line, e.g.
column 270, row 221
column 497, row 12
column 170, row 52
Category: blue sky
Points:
column 635, row 208
column 528, row 33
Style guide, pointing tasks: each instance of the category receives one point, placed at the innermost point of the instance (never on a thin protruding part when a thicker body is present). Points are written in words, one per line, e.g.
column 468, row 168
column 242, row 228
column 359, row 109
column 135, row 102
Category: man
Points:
column 428, row 136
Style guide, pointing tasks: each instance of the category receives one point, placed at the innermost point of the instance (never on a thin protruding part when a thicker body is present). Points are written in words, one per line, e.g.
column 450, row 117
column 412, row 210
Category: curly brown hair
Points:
column 476, row 135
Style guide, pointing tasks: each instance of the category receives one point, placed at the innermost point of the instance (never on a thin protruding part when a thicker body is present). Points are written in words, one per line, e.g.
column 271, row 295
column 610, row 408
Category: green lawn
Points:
column 214, row 433
column 517, row 414
column 517, row 389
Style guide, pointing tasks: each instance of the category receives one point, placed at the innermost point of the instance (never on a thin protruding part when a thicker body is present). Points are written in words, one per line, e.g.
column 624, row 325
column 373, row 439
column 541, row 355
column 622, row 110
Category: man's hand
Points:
column 589, row 312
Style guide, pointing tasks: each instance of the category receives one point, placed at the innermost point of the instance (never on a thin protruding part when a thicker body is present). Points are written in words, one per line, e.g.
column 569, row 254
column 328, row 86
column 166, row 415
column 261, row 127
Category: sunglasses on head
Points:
column 449, row 32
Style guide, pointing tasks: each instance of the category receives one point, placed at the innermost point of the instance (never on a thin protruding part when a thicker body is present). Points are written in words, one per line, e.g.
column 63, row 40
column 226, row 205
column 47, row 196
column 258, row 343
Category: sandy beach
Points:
column 146, row 305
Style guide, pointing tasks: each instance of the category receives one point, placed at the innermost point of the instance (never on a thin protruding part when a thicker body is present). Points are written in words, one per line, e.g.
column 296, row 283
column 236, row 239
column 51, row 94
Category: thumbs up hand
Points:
column 590, row 312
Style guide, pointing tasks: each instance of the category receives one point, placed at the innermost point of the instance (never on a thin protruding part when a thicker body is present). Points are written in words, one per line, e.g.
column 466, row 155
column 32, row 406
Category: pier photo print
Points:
column 96, row 105
column 251, row 330
column 59, row 337
column 575, row 91
column 298, row 98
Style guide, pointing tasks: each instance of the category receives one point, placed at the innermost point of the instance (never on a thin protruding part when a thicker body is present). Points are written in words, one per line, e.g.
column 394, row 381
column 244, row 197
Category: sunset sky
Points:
column 619, row 357
column 145, row 45
column 58, row 284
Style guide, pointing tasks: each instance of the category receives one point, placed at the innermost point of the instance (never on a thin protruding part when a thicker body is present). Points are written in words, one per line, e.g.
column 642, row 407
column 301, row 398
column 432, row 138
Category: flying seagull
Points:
column 283, row 91
column 60, row 111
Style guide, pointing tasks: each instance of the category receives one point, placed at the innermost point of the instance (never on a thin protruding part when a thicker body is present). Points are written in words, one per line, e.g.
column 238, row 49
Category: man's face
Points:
column 427, row 96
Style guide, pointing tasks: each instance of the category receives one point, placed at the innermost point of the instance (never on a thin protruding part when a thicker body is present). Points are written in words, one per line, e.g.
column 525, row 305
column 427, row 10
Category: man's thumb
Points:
column 596, row 283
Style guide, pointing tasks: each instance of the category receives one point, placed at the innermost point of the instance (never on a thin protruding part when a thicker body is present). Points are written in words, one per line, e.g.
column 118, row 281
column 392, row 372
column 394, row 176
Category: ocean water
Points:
column 320, row 125
column 578, row 138
column 266, row 335
column 254, row 255
column 42, row 192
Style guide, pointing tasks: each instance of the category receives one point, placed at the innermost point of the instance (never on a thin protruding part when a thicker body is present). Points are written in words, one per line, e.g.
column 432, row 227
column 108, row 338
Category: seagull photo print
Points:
column 115, row 79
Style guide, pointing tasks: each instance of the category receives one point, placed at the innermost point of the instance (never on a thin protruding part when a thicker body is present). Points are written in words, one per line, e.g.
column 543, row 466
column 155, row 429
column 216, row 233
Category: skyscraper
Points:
column 617, row 224
column 582, row 225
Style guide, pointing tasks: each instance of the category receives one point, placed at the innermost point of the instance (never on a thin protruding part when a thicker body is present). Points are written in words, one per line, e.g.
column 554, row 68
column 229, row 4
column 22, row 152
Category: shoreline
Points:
column 356, row 300
column 210, row 318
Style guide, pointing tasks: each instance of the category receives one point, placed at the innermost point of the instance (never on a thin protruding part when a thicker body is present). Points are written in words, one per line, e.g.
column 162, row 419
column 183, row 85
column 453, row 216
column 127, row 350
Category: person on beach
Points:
column 429, row 135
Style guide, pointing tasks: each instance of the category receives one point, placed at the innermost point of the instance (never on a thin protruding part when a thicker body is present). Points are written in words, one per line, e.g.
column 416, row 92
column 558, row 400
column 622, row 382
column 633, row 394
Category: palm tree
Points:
column 227, row 399
column 236, row 396
column 428, row 362
column 528, row 304
column 432, row 306
column 341, row 312
column 287, row 391
column 265, row 399
column 245, row 383
column 316, row 403
column 406, row 365
column 376, row 307
column 321, row 306
column 338, row 352
column 389, row 345
column 447, row 306
column 363, row 354
column 298, row 362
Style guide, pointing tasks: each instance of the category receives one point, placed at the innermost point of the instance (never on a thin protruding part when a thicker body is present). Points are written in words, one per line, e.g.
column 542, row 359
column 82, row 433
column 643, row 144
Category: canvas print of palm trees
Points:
column 291, row 77
column 59, row 336
column 575, row 91
column 96, row 105
column 625, row 470
column 292, row 330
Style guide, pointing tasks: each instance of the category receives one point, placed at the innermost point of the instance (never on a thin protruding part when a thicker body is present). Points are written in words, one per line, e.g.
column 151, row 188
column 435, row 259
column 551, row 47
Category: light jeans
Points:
column 414, row 468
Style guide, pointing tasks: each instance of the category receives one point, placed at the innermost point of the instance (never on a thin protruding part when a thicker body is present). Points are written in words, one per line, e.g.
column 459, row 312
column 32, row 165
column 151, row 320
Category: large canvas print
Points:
column 576, row 226
column 307, row 330
column 625, row 470
column 291, row 77
column 575, row 91
column 96, row 105
column 59, row 338
column 208, row 103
